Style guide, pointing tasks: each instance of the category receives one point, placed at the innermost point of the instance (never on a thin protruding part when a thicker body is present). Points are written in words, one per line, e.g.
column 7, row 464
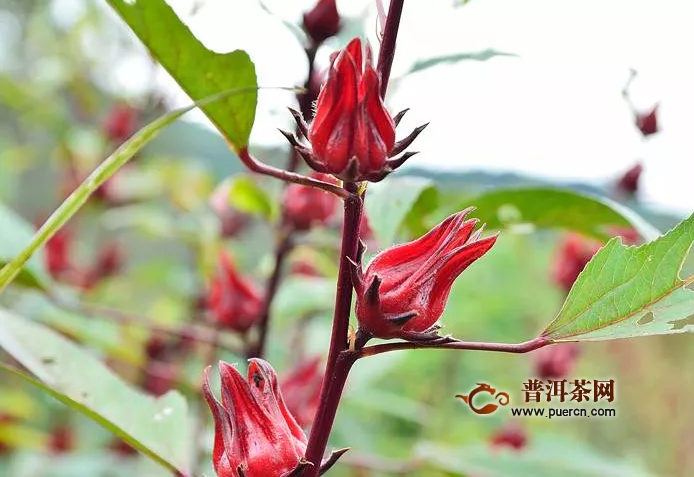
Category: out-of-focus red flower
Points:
column 322, row 22
column 235, row 302
column 306, row 268
column 255, row 433
column 57, row 253
column 122, row 449
column 159, row 377
column 555, row 361
column 62, row 440
column 120, row 123
column 574, row 254
column 404, row 289
column 301, row 390
column 233, row 221
column 510, row 437
column 306, row 207
column 648, row 122
column 628, row 184
column 352, row 135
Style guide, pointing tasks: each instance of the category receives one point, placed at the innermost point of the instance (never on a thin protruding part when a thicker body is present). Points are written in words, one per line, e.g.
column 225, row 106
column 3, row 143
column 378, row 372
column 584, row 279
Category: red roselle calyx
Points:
column 512, row 437
column 574, row 254
column 306, row 206
column 234, row 301
column 628, row 184
column 120, row 123
column 556, row 361
column 648, row 122
column 255, row 434
column 322, row 22
column 404, row 289
column 352, row 135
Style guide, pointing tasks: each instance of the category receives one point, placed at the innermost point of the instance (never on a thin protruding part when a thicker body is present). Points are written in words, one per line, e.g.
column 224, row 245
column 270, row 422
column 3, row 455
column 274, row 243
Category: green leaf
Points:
column 483, row 55
column 556, row 208
column 545, row 456
column 157, row 427
column 100, row 175
column 15, row 234
column 247, row 196
column 389, row 202
column 630, row 291
column 199, row 71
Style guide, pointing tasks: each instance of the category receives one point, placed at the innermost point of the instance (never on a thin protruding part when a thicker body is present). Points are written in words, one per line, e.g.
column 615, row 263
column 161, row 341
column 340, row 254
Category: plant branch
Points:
column 517, row 348
column 260, row 168
column 390, row 36
column 338, row 365
column 284, row 246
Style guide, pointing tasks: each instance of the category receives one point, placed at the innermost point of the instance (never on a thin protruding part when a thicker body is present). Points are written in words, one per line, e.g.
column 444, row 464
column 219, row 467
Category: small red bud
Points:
column 233, row 221
column 574, row 254
column 234, row 301
column 628, row 184
column 122, row 449
column 62, row 440
column 301, row 390
column 648, row 122
column 305, row 206
column 404, row 289
column 120, row 123
column 255, row 434
column 57, row 253
column 512, row 437
column 323, row 21
column 159, row 378
column 556, row 361
column 306, row 268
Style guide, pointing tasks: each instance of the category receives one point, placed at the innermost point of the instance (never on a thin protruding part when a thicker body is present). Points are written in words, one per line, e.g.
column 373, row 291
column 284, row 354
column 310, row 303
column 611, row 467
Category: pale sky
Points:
column 554, row 111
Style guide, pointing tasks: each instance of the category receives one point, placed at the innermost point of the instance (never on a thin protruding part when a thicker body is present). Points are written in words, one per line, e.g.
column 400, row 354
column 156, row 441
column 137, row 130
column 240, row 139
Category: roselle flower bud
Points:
column 57, row 253
column 120, row 123
column 61, row 440
column 255, row 434
column 234, row 301
column 233, row 221
column 556, row 361
column 574, row 254
column 352, row 135
column 305, row 207
column 628, row 184
column 322, row 22
column 404, row 289
column 511, row 437
column 648, row 122
column 301, row 389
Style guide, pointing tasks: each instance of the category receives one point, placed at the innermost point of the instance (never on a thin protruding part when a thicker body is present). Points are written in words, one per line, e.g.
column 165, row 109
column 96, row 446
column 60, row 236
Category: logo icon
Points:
column 501, row 397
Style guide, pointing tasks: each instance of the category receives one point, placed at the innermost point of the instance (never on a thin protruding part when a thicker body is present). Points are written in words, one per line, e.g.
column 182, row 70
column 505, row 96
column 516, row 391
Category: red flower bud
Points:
column 628, row 184
column 301, row 389
column 512, row 436
column 306, row 206
column 120, row 123
column 234, row 301
column 404, row 289
column 574, row 254
column 255, row 434
column 556, row 362
column 159, row 378
column 232, row 220
column 323, row 21
column 648, row 122
column 352, row 135
column 57, row 253
column 62, row 440
column 306, row 268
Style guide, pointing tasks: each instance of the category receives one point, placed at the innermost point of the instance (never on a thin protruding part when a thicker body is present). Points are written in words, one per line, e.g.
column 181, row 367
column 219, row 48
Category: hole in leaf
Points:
column 48, row 360
column 645, row 319
column 683, row 323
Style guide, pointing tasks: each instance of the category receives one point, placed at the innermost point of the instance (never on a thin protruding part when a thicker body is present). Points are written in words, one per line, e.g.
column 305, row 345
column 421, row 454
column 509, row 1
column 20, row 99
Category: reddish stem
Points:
column 338, row 365
column 516, row 348
column 390, row 36
column 260, row 168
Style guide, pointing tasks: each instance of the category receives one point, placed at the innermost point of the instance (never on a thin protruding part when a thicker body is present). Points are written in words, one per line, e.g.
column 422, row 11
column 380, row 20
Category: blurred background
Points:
column 590, row 96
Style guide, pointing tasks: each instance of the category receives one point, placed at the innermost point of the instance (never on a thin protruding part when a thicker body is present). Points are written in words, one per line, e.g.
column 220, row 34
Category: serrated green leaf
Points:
column 247, row 196
column 199, row 71
column 556, row 208
column 157, row 427
column 483, row 55
column 15, row 234
column 630, row 291
column 389, row 202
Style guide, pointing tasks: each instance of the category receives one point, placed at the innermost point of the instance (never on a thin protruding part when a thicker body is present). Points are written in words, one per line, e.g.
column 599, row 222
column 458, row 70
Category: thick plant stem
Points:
column 284, row 246
column 338, row 365
column 390, row 37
